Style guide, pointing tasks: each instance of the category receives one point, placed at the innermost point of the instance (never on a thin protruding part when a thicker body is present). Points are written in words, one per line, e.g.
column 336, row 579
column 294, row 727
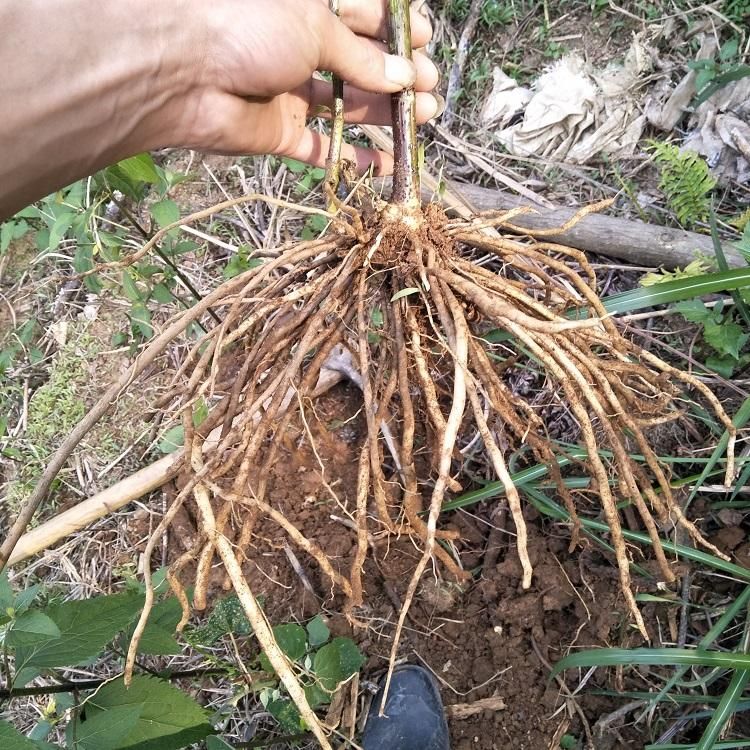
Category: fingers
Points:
column 369, row 18
column 312, row 148
column 428, row 75
column 365, row 107
column 359, row 62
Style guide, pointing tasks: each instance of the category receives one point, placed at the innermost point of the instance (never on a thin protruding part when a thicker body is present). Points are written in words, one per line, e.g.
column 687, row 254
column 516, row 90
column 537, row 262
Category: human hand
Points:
column 255, row 89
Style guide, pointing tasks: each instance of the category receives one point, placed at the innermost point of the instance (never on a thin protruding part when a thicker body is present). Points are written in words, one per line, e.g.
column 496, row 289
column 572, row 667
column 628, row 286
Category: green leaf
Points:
column 200, row 412
column 162, row 294
column 85, row 629
column 25, row 598
column 609, row 657
column 6, row 592
column 674, row 291
column 226, row 617
column 216, row 743
column 726, row 338
column 317, row 631
column 724, row 366
column 158, row 637
column 12, row 739
column 286, row 713
column 139, row 168
column 336, row 662
column 30, row 627
column 725, row 709
column 693, row 310
column 169, row 719
column 165, row 212
column 293, row 165
column 316, row 696
column 174, row 439
column 103, row 730
column 291, row 639
column 130, row 287
column 59, row 228
column 405, row 292
column 140, row 319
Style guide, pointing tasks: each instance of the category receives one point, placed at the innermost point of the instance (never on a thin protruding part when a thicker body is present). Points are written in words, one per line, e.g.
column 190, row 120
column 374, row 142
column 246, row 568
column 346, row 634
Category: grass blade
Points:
column 615, row 657
column 728, row 745
column 724, row 710
column 739, row 420
column 677, row 291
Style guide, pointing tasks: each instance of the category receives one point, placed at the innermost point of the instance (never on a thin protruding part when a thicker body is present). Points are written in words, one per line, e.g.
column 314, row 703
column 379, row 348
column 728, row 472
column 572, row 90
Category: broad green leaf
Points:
column 291, row 639
column 174, row 438
column 162, row 294
column 226, row 617
column 216, row 743
column 25, row 598
column 140, row 319
column 317, row 631
column 29, row 627
column 139, row 168
column 336, row 662
column 724, row 366
column 293, row 165
column 165, row 212
column 59, row 228
column 85, row 629
column 286, row 713
column 103, row 730
column 169, row 718
column 12, row 739
column 129, row 286
column 726, row 338
column 693, row 310
column 158, row 638
column 316, row 696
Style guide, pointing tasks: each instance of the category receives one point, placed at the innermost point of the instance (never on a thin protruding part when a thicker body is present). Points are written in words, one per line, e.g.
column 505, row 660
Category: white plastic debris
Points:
column 576, row 112
column 720, row 130
column 506, row 100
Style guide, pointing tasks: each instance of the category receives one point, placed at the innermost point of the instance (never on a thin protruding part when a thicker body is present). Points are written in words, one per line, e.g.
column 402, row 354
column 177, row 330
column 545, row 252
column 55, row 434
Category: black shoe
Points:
column 414, row 716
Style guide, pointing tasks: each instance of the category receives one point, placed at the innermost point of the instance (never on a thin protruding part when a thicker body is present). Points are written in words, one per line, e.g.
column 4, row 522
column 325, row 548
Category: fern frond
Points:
column 685, row 181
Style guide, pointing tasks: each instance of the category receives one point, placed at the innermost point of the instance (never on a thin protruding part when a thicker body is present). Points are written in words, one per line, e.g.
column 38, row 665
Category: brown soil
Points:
column 491, row 639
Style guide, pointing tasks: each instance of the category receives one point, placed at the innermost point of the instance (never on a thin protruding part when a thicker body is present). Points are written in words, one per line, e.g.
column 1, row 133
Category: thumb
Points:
column 359, row 62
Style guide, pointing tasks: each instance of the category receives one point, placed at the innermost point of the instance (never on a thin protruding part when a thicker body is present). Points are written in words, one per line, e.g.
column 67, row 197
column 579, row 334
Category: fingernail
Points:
column 440, row 105
column 400, row 71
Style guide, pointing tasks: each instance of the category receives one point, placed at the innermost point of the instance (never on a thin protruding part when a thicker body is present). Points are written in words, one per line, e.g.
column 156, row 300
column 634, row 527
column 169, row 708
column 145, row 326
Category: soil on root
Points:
column 491, row 639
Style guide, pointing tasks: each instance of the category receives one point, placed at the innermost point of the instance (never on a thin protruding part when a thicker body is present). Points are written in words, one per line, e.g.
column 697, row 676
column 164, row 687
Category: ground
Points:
column 489, row 638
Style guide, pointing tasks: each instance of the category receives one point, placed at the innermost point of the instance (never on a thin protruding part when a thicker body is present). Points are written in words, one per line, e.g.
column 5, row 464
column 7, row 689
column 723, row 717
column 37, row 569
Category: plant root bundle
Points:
column 403, row 291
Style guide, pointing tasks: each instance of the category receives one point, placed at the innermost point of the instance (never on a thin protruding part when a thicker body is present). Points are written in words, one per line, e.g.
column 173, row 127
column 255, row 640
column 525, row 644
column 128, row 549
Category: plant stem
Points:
column 70, row 687
column 403, row 113
column 333, row 164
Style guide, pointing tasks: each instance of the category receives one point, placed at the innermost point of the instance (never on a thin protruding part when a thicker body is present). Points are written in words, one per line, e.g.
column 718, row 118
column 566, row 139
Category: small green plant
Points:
column 713, row 75
column 496, row 14
column 723, row 335
column 45, row 635
column 685, row 181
